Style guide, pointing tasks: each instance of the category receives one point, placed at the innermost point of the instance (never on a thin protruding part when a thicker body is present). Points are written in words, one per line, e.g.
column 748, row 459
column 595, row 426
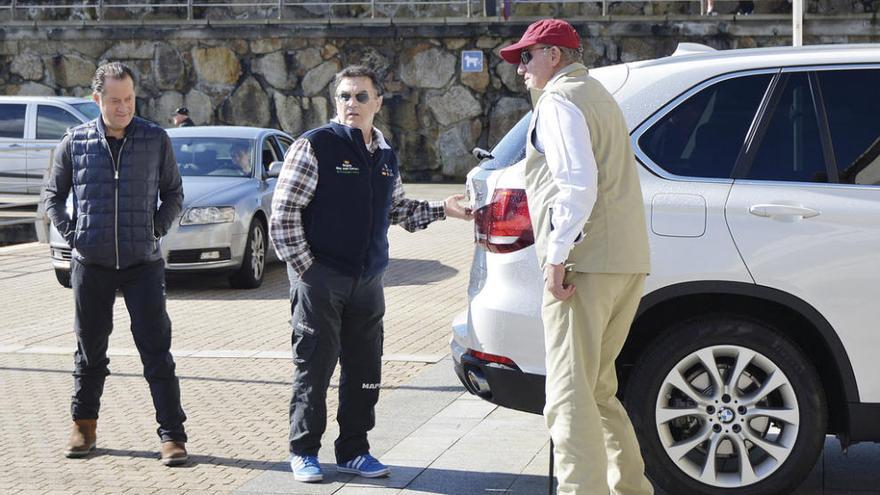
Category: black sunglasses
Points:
column 361, row 97
column 526, row 56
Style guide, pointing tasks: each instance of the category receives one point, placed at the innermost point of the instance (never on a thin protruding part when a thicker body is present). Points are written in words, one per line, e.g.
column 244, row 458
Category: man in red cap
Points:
column 586, row 206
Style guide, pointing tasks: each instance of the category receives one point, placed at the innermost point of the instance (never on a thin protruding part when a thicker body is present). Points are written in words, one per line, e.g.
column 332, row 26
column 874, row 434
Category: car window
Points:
column 89, row 109
column 209, row 156
column 854, row 123
column 268, row 154
column 702, row 136
column 283, row 144
column 511, row 148
column 53, row 122
column 791, row 149
column 12, row 120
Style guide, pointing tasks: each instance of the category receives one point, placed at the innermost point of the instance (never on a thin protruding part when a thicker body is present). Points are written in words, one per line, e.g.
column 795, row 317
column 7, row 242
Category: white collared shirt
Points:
column 563, row 136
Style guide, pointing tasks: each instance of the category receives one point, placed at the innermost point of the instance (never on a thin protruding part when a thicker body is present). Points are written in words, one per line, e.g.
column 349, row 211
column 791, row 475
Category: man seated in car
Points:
column 241, row 158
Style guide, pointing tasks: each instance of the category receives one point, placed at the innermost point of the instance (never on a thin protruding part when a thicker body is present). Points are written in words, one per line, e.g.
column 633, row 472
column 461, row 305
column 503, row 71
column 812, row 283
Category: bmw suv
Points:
column 757, row 333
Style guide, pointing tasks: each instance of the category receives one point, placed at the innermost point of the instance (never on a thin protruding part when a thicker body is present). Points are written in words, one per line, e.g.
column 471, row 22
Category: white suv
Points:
column 757, row 334
column 30, row 128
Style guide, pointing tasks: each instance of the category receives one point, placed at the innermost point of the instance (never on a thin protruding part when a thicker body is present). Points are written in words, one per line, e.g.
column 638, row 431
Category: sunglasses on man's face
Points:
column 361, row 97
column 526, row 56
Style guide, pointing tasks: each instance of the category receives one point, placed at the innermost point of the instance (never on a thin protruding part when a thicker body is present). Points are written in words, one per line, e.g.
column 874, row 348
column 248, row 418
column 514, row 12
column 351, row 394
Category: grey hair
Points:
column 114, row 70
column 357, row 71
column 571, row 55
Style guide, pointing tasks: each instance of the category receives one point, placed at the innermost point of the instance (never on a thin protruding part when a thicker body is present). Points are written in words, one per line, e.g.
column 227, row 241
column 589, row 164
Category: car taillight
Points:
column 503, row 225
column 492, row 358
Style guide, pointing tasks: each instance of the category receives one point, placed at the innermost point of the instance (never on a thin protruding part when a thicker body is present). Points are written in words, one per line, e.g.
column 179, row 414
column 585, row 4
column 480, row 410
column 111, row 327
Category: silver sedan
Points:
column 228, row 196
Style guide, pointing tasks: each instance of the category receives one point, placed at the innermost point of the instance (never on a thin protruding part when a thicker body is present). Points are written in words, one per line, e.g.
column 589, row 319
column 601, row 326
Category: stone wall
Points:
column 277, row 75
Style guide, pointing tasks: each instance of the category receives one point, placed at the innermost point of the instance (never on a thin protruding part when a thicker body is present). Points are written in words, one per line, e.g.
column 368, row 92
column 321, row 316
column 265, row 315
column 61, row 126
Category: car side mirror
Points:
column 481, row 154
column 274, row 169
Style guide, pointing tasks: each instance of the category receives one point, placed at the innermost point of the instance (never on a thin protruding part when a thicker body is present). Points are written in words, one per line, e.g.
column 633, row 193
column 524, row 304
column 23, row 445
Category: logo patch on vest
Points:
column 347, row 168
column 386, row 171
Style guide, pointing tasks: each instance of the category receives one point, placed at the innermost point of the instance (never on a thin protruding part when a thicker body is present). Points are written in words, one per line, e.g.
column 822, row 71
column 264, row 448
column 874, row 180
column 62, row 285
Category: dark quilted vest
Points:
column 114, row 213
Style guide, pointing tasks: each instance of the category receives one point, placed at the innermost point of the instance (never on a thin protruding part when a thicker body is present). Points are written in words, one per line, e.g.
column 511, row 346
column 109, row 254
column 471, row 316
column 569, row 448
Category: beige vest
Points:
column 615, row 238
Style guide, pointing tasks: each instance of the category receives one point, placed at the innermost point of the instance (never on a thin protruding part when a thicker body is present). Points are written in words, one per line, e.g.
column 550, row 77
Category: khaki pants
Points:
column 596, row 447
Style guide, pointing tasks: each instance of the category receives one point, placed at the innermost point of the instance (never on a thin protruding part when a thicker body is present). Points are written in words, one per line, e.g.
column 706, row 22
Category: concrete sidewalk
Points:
column 438, row 440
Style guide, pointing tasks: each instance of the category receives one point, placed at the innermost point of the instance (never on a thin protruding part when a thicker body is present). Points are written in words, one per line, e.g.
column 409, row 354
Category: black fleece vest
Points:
column 346, row 224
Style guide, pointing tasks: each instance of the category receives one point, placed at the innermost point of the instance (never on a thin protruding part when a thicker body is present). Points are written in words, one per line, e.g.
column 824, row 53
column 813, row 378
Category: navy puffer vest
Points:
column 115, row 213
column 346, row 224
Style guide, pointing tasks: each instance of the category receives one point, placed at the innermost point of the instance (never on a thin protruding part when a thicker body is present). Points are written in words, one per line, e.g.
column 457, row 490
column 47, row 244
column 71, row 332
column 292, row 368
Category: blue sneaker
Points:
column 306, row 468
column 364, row 465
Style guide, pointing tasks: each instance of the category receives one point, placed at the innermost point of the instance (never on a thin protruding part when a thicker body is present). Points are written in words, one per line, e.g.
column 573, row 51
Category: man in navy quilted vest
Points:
column 118, row 167
column 336, row 196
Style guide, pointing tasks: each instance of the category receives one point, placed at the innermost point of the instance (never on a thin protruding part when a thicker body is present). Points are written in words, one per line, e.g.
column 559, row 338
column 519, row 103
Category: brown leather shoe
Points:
column 173, row 453
column 82, row 438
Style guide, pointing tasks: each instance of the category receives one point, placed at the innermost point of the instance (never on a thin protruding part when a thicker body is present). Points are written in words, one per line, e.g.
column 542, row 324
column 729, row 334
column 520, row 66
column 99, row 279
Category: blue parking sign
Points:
column 472, row 61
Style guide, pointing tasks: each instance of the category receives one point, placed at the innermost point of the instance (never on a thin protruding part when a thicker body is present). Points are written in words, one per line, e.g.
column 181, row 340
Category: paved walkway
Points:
column 232, row 349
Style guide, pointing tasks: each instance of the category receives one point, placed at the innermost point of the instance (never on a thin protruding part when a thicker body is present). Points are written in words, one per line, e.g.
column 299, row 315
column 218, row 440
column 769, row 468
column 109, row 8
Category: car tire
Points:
column 253, row 264
column 787, row 417
column 63, row 277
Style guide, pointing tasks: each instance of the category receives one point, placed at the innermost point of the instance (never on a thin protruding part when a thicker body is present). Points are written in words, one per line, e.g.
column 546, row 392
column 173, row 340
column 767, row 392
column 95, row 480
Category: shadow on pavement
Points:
column 400, row 272
column 188, row 286
column 196, row 459
column 416, row 272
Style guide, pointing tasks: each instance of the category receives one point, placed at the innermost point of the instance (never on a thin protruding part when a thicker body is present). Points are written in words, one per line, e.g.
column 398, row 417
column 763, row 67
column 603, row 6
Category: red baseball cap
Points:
column 553, row 32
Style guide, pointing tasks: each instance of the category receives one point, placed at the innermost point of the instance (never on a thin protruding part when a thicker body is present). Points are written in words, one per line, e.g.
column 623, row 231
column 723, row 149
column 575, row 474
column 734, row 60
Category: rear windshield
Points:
column 511, row 148
column 89, row 109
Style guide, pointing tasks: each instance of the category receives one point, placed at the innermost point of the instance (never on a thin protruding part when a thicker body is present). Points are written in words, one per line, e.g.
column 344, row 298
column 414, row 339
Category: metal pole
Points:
column 604, row 7
column 372, row 8
column 468, row 8
column 280, row 9
column 189, row 10
column 100, row 10
column 797, row 22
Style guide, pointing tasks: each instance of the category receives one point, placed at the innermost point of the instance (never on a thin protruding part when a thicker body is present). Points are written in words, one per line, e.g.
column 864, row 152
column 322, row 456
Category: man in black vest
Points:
column 118, row 166
column 338, row 192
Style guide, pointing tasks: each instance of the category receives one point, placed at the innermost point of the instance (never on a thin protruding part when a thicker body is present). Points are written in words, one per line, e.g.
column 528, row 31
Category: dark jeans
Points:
column 143, row 287
column 335, row 317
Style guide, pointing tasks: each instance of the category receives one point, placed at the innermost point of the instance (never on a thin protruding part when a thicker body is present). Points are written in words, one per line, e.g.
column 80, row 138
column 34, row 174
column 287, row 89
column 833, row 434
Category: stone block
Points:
column 216, row 65
column 454, row 105
column 248, row 105
column 426, row 66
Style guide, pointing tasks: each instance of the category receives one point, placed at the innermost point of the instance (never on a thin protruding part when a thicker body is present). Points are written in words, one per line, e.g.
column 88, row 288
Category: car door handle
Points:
column 774, row 210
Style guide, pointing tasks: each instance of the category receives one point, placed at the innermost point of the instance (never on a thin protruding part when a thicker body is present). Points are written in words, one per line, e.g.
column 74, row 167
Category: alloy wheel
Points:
column 727, row 416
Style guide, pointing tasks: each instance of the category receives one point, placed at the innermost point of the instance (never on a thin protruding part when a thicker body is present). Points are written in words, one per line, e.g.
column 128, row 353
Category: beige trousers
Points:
column 595, row 445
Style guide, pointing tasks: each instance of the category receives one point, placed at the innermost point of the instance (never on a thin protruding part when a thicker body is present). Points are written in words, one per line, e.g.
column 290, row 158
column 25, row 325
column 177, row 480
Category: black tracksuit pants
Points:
column 335, row 317
column 143, row 287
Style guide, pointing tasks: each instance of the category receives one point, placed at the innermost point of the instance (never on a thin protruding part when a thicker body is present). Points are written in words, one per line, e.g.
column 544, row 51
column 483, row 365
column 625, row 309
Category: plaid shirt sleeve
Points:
column 294, row 191
column 412, row 214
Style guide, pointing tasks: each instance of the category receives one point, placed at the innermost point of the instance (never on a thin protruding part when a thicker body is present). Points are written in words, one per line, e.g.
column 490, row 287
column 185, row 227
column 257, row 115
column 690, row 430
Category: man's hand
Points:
column 453, row 207
column 554, row 277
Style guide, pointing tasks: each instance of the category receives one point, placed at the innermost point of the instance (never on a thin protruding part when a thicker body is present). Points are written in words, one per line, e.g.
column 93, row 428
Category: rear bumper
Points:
column 500, row 384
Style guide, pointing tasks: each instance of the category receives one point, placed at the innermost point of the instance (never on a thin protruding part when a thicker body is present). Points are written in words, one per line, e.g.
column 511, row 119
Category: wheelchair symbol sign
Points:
column 472, row 61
